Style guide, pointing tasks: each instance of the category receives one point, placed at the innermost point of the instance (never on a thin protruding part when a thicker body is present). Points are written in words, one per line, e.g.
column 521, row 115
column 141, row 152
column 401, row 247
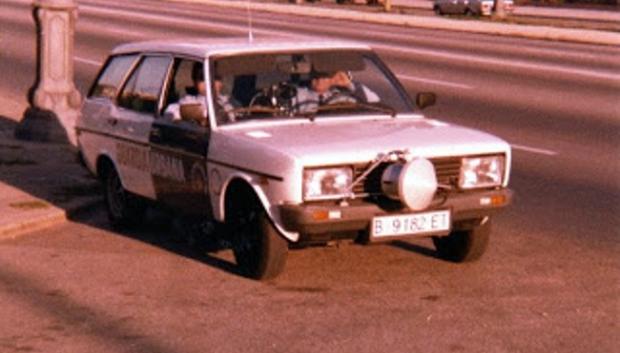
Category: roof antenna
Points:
column 250, row 32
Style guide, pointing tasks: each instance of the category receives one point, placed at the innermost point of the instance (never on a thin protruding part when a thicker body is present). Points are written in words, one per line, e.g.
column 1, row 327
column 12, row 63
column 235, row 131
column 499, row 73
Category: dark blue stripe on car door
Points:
column 178, row 164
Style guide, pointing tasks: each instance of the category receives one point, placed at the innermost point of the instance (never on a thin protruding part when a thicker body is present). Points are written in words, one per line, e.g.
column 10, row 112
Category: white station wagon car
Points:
column 281, row 143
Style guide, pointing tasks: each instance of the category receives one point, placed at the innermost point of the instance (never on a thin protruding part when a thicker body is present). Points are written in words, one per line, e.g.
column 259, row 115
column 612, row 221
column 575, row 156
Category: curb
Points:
column 55, row 216
column 526, row 31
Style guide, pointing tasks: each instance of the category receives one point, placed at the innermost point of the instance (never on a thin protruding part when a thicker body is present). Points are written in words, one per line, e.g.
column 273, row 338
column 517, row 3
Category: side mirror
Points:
column 193, row 112
column 425, row 99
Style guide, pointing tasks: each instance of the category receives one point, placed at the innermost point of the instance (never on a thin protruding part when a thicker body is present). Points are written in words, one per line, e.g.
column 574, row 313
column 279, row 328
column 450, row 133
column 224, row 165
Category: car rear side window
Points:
column 141, row 93
column 112, row 76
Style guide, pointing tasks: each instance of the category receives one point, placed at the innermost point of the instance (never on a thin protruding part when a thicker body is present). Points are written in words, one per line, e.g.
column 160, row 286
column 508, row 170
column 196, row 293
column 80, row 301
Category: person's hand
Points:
column 341, row 79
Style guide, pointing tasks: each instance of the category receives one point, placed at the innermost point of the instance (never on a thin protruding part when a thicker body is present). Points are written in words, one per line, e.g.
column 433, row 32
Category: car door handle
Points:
column 155, row 134
column 112, row 121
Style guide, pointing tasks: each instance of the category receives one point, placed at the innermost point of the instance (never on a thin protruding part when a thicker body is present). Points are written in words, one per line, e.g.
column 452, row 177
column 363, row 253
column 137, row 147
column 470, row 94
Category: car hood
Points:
column 325, row 142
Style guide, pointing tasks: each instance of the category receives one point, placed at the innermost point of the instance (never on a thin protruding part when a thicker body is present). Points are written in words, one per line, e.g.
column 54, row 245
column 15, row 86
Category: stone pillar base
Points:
column 45, row 126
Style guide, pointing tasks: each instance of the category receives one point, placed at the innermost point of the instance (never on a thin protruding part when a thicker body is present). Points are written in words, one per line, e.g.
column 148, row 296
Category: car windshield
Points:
column 312, row 84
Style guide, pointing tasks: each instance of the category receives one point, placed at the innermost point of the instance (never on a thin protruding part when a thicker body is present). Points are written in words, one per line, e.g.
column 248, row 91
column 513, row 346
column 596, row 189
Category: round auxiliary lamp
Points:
column 414, row 183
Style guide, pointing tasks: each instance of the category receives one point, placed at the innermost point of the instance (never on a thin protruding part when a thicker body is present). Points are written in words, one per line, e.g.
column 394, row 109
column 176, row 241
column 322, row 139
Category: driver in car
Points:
column 331, row 88
column 308, row 99
column 342, row 81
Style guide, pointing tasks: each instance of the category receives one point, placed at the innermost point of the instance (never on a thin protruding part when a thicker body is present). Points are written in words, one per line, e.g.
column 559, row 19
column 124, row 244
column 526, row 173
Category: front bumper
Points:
column 318, row 219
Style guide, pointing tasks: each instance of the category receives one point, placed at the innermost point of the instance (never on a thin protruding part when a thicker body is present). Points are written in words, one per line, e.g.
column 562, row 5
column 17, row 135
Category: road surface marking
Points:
column 124, row 32
column 434, row 82
column 189, row 23
column 599, row 74
column 457, row 57
column 533, row 150
column 87, row 61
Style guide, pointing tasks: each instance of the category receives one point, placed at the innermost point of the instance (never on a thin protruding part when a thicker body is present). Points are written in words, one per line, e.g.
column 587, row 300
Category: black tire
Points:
column 464, row 245
column 124, row 209
column 260, row 251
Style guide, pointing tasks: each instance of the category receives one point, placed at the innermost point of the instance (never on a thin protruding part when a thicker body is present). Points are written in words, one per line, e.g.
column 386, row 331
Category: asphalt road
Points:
column 550, row 281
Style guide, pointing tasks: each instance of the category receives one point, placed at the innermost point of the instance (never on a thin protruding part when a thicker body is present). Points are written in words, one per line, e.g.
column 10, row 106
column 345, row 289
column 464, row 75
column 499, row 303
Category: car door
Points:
column 138, row 103
column 179, row 148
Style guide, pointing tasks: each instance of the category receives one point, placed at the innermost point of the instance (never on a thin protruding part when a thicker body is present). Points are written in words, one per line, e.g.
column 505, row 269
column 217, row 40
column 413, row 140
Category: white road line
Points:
column 123, row 32
column 434, row 82
column 457, row 57
column 188, row 23
column 87, row 61
column 534, row 150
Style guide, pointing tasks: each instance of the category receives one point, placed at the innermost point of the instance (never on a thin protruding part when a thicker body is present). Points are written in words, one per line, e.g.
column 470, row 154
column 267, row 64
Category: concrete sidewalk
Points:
column 41, row 184
column 427, row 22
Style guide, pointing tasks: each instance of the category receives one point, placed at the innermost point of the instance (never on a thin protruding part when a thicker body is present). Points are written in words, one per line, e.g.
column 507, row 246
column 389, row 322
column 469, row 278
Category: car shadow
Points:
column 414, row 248
column 160, row 229
column 50, row 175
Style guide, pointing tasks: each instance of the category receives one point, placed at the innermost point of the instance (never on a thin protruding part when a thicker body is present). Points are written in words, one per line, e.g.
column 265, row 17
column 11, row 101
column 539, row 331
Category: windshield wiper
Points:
column 383, row 108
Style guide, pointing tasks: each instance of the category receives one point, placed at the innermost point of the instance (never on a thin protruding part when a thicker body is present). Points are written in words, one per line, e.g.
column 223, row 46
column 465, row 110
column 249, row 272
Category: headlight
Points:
column 326, row 183
column 481, row 172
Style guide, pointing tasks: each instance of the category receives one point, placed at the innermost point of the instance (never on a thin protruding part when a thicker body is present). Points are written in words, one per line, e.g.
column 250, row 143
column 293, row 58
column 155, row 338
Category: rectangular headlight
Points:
column 327, row 183
column 481, row 172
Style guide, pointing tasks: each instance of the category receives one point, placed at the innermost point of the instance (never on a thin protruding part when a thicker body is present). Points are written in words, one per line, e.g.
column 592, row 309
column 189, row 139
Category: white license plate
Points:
column 435, row 222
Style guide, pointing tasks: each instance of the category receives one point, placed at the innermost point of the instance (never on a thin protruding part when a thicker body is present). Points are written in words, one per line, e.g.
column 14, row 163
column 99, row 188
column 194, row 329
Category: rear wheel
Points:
column 123, row 208
column 260, row 251
column 464, row 245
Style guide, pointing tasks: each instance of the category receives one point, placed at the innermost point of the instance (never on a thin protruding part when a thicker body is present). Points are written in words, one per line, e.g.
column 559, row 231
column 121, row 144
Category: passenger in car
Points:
column 196, row 95
column 224, row 104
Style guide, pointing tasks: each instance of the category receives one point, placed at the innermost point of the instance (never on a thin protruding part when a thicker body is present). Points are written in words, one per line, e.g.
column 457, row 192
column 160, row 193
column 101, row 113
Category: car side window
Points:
column 182, row 83
column 112, row 76
column 141, row 92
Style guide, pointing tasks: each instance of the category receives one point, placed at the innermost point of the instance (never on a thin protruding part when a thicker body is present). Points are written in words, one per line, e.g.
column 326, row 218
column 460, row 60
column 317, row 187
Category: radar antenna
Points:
column 250, row 30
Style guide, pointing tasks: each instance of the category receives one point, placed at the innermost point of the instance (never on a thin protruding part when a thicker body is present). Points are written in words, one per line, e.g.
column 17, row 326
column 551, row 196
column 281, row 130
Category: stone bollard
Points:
column 54, row 100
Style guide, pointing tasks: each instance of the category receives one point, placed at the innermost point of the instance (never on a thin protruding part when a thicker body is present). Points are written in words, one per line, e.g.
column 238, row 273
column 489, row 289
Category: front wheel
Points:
column 464, row 245
column 260, row 252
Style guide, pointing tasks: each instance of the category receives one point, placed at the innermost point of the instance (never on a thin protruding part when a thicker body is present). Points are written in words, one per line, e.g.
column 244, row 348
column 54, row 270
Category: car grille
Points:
column 447, row 170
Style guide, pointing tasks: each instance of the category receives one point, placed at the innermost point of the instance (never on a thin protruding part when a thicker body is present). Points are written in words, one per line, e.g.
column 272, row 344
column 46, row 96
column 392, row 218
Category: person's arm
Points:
column 173, row 111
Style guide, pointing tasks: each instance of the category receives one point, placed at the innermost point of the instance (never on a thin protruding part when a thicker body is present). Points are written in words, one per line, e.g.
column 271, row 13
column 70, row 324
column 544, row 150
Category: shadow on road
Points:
column 44, row 171
column 72, row 316
column 46, row 175
column 415, row 248
column 162, row 230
